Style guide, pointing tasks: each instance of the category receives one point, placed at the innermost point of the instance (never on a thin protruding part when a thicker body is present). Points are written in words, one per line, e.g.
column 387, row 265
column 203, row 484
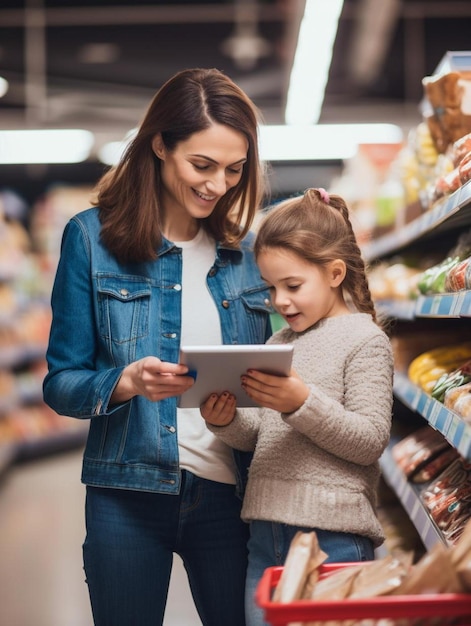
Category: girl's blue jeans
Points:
column 130, row 541
column 269, row 544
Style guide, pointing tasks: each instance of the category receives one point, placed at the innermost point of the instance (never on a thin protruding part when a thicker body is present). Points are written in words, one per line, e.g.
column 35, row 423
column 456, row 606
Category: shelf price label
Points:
column 433, row 411
column 442, row 418
column 465, row 443
column 453, row 431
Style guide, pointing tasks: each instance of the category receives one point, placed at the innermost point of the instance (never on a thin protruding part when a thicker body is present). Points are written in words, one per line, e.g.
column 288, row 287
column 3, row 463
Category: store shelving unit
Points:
column 453, row 214
column 410, row 500
column 8, row 454
column 440, row 305
column 27, row 427
column 455, row 430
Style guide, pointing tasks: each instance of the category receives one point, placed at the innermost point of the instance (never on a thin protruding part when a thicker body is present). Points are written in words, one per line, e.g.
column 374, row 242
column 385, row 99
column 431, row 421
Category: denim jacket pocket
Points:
column 258, row 299
column 257, row 306
column 123, row 303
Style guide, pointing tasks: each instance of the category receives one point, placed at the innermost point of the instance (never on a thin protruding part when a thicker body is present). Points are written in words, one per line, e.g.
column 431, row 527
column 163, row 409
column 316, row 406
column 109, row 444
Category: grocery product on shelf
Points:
column 418, row 162
column 448, row 94
column 435, row 465
column 451, row 380
column 395, row 280
column 458, row 277
column 448, row 499
column 417, row 450
column 458, row 160
column 427, row 368
column 458, row 399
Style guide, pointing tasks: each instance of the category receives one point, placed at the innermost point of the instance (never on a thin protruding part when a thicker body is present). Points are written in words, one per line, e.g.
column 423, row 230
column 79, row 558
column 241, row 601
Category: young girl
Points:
column 318, row 438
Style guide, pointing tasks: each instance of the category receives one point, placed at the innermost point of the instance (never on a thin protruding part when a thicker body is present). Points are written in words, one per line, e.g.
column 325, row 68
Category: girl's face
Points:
column 196, row 174
column 301, row 292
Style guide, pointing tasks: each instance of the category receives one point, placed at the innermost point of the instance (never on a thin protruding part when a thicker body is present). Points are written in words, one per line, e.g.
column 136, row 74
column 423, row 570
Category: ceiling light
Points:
column 312, row 59
column 99, row 53
column 110, row 153
column 320, row 142
column 323, row 142
column 3, row 86
column 45, row 146
column 246, row 48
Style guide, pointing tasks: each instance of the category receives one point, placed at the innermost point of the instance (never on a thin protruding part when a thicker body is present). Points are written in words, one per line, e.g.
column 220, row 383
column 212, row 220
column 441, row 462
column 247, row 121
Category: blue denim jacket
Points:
column 107, row 314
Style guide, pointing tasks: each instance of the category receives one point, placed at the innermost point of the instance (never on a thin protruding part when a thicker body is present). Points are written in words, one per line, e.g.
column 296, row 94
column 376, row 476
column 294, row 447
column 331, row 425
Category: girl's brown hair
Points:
column 318, row 232
column 128, row 194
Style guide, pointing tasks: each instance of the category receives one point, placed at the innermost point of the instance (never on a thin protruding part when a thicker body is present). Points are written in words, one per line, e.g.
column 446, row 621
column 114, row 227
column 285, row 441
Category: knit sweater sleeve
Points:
column 242, row 432
column 354, row 425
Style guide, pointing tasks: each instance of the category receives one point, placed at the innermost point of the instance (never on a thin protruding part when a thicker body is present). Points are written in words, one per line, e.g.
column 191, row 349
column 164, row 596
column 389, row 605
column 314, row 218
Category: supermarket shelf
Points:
column 16, row 355
column 446, row 305
column 410, row 500
column 7, row 456
column 51, row 443
column 33, row 448
column 452, row 212
column 455, row 430
column 399, row 309
column 9, row 271
column 8, row 402
column 29, row 389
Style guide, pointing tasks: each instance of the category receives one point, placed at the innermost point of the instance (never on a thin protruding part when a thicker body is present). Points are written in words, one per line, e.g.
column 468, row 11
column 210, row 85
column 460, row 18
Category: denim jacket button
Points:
column 177, row 287
column 172, row 429
column 266, row 302
column 225, row 304
column 213, row 271
column 124, row 292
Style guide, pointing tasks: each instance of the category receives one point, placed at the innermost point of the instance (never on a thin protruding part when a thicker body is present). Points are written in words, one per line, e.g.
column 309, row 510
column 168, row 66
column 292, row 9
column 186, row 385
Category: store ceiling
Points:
column 96, row 64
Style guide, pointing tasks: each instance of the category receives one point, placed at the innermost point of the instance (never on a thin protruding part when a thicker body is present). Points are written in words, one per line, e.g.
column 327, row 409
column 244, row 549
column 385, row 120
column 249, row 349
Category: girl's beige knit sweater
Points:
column 318, row 467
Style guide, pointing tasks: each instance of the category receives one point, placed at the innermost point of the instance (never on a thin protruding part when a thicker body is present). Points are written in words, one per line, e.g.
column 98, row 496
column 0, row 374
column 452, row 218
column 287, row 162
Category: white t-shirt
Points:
column 200, row 451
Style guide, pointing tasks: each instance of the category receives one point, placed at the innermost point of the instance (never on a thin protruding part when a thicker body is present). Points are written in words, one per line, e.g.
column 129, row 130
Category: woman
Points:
column 164, row 258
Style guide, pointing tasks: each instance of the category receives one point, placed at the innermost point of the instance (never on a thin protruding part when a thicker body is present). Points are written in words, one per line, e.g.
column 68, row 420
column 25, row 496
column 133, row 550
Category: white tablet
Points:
column 219, row 368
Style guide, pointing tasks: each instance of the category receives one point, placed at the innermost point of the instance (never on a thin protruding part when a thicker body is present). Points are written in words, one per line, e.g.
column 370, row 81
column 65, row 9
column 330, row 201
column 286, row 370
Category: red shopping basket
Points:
column 453, row 608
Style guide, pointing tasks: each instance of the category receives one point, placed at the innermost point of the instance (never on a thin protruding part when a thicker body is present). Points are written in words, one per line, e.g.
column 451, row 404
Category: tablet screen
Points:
column 219, row 368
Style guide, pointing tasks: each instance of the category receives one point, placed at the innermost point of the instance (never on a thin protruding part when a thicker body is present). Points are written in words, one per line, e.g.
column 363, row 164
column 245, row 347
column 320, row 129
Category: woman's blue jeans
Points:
column 129, row 546
column 269, row 544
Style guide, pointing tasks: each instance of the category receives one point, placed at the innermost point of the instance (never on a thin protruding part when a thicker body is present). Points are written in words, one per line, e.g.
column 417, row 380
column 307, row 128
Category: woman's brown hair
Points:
column 317, row 228
column 128, row 194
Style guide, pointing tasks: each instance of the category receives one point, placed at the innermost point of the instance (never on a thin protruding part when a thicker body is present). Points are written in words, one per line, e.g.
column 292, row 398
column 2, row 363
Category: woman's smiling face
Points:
column 303, row 293
column 198, row 172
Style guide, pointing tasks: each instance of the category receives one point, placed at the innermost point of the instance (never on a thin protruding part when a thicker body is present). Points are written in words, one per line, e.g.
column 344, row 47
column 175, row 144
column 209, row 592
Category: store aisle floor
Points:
column 41, row 534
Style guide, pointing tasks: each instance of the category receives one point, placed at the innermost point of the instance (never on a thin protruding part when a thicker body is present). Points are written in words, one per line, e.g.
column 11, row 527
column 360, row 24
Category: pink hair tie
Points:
column 324, row 195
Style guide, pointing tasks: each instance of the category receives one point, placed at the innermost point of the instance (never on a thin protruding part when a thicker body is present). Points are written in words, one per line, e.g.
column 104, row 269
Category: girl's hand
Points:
column 152, row 378
column 281, row 393
column 219, row 410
